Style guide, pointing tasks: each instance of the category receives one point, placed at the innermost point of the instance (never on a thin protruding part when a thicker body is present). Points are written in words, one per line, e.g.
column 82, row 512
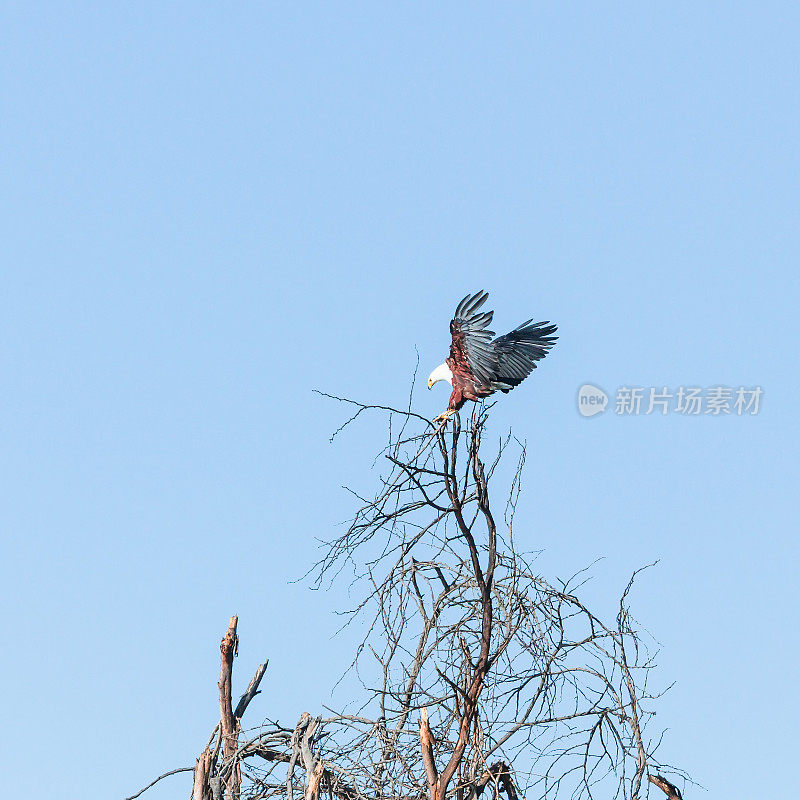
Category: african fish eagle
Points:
column 480, row 365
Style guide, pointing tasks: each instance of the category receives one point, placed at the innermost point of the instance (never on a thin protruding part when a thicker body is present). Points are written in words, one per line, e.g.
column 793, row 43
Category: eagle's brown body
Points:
column 465, row 386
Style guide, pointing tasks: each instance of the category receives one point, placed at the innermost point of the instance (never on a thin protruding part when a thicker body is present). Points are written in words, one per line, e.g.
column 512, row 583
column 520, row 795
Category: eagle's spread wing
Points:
column 517, row 352
column 471, row 349
column 504, row 362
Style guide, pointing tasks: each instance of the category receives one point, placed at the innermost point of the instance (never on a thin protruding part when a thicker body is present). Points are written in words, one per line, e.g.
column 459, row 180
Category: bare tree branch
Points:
column 160, row 777
column 670, row 790
column 459, row 627
column 252, row 691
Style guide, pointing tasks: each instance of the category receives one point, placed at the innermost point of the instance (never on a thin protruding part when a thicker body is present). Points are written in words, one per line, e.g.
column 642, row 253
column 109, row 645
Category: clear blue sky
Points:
column 208, row 212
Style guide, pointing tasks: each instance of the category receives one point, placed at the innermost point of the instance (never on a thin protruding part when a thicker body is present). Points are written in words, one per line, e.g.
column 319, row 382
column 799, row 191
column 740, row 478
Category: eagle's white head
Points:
column 441, row 373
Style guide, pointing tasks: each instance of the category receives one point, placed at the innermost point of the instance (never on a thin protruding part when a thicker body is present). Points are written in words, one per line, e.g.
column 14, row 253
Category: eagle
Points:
column 479, row 365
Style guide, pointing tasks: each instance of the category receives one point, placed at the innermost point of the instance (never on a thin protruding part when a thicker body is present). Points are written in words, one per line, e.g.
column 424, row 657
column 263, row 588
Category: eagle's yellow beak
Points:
column 430, row 383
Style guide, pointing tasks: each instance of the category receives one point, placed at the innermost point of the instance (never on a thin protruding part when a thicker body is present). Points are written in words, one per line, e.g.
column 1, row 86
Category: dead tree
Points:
column 478, row 673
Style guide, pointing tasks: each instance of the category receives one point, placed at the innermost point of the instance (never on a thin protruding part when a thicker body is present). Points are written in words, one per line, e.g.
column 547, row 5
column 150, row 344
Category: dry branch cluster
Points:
column 478, row 674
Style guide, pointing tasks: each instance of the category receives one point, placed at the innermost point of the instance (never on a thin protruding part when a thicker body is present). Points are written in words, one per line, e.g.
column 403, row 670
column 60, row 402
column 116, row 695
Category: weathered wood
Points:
column 426, row 745
column 252, row 691
column 200, row 789
column 313, row 766
column 312, row 790
column 298, row 732
column 670, row 789
column 229, row 730
column 309, row 729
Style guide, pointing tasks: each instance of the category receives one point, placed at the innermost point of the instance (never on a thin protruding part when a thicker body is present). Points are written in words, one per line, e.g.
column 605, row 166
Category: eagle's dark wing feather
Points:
column 504, row 362
column 518, row 351
column 471, row 349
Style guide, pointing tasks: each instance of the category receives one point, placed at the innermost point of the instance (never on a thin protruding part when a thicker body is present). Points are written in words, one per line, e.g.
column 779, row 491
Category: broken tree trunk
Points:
column 229, row 724
column 202, row 771
column 670, row 789
column 210, row 775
